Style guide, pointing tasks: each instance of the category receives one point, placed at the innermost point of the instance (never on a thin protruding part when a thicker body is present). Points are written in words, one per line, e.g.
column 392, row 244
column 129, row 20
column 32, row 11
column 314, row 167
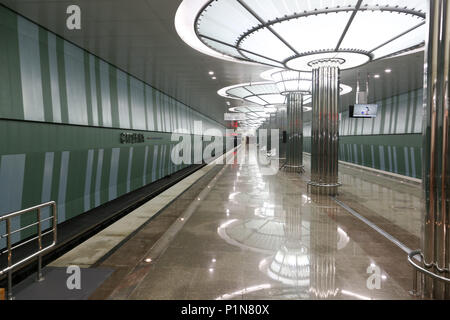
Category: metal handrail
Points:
column 9, row 248
column 418, row 268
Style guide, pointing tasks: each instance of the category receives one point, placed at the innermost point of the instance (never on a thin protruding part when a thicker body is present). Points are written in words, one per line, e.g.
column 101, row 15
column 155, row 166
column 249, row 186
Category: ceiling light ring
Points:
column 318, row 62
column 246, row 98
column 243, row 52
column 265, row 102
column 315, row 52
column 245, row 58
column 282, row 83
column 224, row 91
column 220, row 51
column 287, row 18
column 305, row 92
column 200, row 13
column 393, row 54
column 247, row 87
column 317, row 12
column 301, row 73
column 195, row 13
column 201, row 37
column 233, row 96
column 259, row 97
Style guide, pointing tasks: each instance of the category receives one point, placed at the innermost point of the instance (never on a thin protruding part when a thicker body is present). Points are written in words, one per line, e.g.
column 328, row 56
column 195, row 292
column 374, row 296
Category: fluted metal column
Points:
column 283, row 127
column 294, row 161
column 273, row 124
column 325, row 128
column 272, row 121
column 436, row 138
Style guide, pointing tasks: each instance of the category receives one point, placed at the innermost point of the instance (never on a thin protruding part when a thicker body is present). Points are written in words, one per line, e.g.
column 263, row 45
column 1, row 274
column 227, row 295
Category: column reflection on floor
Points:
column 257, row 236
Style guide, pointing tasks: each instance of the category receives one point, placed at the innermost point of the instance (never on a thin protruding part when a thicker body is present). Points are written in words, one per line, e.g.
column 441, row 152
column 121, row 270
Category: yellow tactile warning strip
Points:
column 89, row 252
column 2, row 294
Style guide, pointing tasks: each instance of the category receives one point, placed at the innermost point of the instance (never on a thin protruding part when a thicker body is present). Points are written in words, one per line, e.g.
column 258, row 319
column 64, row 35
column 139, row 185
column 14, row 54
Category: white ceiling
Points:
column 139, row 37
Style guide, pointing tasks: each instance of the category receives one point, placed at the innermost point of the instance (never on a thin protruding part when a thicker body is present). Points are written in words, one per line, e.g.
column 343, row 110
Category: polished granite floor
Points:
column 240, row 234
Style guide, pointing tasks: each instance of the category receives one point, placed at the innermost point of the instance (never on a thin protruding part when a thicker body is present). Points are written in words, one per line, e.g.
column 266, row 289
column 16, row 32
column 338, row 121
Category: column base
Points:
column 328, row 189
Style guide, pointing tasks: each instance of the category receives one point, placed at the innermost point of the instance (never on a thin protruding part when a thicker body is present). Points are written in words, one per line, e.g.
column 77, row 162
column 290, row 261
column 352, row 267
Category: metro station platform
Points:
column 230, row 232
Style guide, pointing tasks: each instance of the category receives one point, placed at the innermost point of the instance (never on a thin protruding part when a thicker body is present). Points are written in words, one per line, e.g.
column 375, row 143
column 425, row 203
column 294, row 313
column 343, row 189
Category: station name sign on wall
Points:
column 131, row 138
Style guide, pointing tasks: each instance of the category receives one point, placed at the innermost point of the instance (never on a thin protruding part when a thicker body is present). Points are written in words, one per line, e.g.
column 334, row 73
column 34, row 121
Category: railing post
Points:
column 414, row 290
column 8, row 241
column 39, row 274
column 9, row 246
column 422, row 281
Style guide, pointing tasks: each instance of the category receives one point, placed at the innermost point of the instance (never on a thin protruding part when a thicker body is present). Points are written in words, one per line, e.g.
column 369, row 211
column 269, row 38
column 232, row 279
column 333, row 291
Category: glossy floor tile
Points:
column 241, row 234
column 95, row 248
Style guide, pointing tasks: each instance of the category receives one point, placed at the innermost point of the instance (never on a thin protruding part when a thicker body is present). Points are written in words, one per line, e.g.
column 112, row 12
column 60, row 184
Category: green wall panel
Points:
column 74, row 165
column 392, row 141
column 45, row 78
column 399, row 154
column 61, row 114
column 11, row 87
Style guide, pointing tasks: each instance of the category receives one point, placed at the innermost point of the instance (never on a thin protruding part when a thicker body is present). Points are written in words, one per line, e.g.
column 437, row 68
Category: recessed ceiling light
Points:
column 148, row 260
column 376, row 76
column 388, row 70
column 211, row 73
column 214, row 78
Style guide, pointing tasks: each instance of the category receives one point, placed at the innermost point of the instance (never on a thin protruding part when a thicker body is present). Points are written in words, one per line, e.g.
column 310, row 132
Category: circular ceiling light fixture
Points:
column 268, row 93
column 271, row 109
column 261, row 93
column 288, row 81
column 254, row 115
column 298, row 34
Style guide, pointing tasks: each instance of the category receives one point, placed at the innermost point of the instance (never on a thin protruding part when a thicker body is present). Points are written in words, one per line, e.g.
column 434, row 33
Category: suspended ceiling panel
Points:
column 139, row 37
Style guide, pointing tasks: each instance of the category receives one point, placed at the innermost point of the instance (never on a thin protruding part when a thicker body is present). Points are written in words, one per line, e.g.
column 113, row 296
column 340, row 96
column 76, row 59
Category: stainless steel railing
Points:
column 423, row 271
column 40, row 234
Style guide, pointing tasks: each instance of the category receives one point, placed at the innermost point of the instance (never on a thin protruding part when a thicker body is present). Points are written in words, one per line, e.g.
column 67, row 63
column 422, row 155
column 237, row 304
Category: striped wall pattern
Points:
column 401, row 154
column 80, row 168
column 45, row 78
column 62, row 111
column 400, row 114
column 391, row 142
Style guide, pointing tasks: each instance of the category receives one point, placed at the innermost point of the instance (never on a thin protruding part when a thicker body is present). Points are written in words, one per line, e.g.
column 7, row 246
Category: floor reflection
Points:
column 258, row 236
column 324, row 243
column 298, row 233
